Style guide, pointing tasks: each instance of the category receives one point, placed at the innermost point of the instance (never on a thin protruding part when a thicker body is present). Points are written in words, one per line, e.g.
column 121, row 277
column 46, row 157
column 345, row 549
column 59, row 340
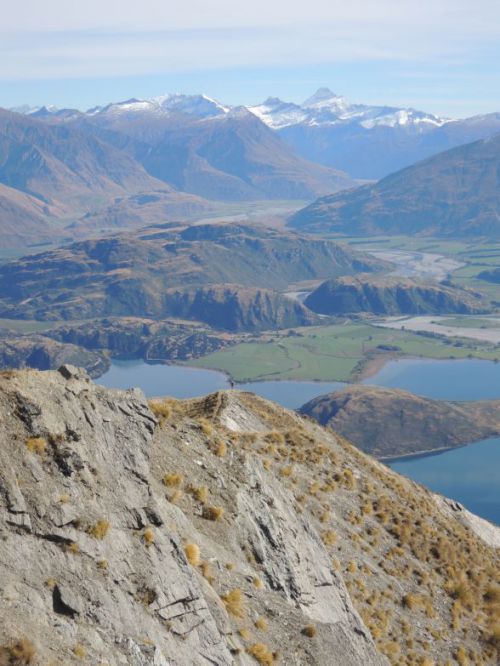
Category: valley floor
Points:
column 342, row 352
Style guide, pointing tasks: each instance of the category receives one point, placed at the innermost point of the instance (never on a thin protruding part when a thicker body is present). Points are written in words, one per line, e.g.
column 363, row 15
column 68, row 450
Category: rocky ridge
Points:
column 221, row 530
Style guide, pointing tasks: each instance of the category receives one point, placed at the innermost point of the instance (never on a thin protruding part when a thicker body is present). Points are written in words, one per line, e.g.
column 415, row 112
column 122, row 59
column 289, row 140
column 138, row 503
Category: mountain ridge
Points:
column 223, row 529
column 455, row 193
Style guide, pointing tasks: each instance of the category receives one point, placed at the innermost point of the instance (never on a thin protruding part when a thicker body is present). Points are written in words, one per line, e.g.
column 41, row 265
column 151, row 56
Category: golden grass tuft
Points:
column 213, row 512
column 37, row 445
column 328, row 537
column 262, row 654
column 206, row 427
column 274, row 437
column 257, row 582
column 310, row 631
column 148, row 536
column 234, row 602
column 176, row 496
column 79, row 651
column 220, row 449
column 200, row 493
column 72, row 548
column 192, row 552
column 261, row 624
column 99, row 530
column 352, row 567
column 245, row 633
column 20, row 653
column 173, row 480
column 206, row 572
column 162, row 409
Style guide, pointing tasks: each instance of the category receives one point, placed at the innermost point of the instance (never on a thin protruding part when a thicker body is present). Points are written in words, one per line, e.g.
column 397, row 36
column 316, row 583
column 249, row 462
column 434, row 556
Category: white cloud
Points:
column 56, row 39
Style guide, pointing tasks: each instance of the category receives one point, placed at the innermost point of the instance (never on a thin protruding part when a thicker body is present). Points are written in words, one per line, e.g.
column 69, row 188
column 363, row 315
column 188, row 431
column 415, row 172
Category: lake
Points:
column 183, row 382
column 467, row 379
column 470, row 474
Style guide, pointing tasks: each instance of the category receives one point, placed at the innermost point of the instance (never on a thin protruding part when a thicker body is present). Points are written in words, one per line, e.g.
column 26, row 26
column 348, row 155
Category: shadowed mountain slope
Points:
column 391, row 295
column 456, row 193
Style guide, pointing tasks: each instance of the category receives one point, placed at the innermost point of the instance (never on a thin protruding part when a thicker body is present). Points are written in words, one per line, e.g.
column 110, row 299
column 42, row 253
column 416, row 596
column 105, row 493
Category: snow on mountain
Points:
column 277, row 114
column 322, row 109
column 327, row 108
column 129, row 106
column 200, row 106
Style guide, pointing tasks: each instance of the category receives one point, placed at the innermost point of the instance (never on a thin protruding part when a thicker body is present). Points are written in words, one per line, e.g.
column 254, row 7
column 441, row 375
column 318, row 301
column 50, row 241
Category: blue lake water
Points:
column 182, row 382
column 470, row 474
column 468, row 379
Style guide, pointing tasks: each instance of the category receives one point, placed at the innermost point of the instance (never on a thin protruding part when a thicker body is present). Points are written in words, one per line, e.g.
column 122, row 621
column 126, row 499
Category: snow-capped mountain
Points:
column 365, row 141
column 327, row 108
column 200, row 106
column 323, row 108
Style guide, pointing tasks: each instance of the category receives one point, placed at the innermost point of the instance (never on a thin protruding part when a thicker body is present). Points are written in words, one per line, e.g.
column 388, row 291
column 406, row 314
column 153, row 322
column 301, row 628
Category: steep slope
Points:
column 390, row 422
column 456, row 193
column 58, row 163
column 226, row 531
column 230, row 156
column 129, row 274
column 388, row 295
column 234, row 308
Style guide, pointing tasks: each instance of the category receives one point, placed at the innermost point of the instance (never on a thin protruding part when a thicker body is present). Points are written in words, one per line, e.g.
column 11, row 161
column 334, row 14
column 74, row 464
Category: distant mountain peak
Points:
column 201, row 105
column 321, row 95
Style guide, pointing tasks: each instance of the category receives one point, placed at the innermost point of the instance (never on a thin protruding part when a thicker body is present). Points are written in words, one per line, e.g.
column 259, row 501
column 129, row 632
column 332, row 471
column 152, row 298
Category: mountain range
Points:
column 82, row 169
column 67, row 175
column 455, row 193
column 364, row 140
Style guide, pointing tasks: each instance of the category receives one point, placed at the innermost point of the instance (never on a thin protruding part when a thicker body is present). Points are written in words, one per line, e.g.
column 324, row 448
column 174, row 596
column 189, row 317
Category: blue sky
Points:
column 441, row 55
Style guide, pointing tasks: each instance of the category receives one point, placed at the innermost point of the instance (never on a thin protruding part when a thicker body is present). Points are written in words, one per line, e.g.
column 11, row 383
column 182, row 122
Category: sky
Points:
column 437, row 55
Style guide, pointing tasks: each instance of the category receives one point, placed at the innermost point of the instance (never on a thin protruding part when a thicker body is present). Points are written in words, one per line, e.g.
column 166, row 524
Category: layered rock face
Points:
column 92, row 551
column 220, row 530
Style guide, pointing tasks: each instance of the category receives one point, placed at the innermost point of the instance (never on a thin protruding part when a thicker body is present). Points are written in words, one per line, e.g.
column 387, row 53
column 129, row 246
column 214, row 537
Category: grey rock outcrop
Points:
column 91, row 555
column 42, row 353
column 220, row 530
